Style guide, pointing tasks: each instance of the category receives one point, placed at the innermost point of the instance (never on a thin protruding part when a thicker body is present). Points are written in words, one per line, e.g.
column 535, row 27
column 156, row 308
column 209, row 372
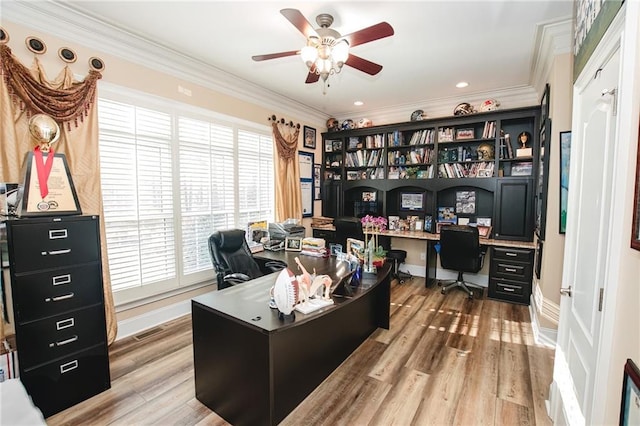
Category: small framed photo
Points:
column 293, row 244
column 309, row 137
column 334, row 249
column 428, row 223
column 355, row 247
column 369, row 196
column 462, row 134
column 483, row 221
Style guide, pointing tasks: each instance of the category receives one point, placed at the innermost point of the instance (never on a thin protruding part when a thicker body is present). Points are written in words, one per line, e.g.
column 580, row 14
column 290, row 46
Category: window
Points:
column 170, row 177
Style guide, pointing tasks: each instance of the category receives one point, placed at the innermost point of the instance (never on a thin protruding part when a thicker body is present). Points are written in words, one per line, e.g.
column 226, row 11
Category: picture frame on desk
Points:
column 293, row 244
column 428, row 223
column 309, row 137
column 484, row 231
column 335, row 249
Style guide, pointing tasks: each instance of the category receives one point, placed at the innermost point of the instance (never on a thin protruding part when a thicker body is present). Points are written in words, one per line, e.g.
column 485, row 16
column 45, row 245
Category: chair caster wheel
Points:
column 443, row 292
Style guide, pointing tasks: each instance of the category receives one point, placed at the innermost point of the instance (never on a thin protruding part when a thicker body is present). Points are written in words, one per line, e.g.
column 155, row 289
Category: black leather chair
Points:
column 233, row 261
column 461, row 251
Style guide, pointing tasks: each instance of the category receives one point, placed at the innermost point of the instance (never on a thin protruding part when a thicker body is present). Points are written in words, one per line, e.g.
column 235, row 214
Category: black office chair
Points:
column 460, row 250
column 398, row 257
column 233, row 261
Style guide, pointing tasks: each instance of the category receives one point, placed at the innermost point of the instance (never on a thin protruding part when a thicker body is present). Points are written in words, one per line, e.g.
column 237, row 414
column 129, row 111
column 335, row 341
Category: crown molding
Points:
column 64, row 22
column 508, row 98
column 552, row 39
column 59, row 19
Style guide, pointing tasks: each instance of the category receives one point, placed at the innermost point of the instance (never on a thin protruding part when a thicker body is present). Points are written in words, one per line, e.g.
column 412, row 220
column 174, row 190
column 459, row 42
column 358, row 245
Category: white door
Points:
column 586, row 244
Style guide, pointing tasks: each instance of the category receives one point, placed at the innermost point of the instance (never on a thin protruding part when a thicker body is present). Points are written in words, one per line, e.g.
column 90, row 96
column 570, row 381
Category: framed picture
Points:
column 465, row 134
column 635, row 228
column 309, row 137
column 293, row 244
column 369, row 196
column 334, row 249
column 317, row 169
column 412, row 201
column 428, row 223
column 355, row 247
column 630, row 406
column 565, row 151
column 466, row 202
column 306, row 182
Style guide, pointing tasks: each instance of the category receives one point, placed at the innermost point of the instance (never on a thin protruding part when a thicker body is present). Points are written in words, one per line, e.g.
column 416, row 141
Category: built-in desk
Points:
column 510, row 273
column 252, row 368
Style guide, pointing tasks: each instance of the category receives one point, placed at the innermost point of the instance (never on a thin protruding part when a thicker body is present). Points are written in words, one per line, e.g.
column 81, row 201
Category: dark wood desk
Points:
column 252, row 368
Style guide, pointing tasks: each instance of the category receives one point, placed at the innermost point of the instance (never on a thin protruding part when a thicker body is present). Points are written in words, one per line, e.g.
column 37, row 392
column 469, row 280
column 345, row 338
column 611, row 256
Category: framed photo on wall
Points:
column 309, row 137
column 630, row 406
column 306, row 182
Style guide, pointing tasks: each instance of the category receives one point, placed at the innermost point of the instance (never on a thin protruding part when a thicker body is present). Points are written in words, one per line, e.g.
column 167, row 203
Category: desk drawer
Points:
column 513, row 270
column 513, row 254
column 55, row 337
column 67, row 381
column 54, row 291
column 509, row 290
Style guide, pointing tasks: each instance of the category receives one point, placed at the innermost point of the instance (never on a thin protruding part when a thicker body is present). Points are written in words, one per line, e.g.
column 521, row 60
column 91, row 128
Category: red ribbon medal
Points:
column 44, row 169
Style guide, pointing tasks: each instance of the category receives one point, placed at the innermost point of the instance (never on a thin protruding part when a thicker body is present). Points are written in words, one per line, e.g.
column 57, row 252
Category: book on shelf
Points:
column 489, row 130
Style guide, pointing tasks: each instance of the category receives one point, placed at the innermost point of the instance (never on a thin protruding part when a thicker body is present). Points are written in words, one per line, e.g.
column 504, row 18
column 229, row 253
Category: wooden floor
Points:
column 445, row 360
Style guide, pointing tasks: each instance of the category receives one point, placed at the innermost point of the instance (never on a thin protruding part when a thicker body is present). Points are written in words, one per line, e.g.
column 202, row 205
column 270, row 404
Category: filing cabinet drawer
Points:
column 43, row 244
column 58, row 336
column 509, row 290
column 43, row 294
column 69, row 380
column 512, row 254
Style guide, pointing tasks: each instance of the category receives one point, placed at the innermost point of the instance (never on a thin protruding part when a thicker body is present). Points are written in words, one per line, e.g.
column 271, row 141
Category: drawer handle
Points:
column 59, row 298
column 511, row 269
column 56, row 234
column 65, row 368
column 508, row 289
column 61, row 279
column 508, row 253
column 61, row 325
column 56, row 252
column 64, row 342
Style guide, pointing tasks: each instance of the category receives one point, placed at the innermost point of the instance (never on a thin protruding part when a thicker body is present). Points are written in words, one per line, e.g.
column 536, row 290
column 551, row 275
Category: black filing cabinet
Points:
column 510, row 274
column 58, row 305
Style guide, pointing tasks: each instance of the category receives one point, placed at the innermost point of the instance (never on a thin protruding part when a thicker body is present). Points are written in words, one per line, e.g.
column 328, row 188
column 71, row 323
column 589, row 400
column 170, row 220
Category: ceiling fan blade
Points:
column 363, row 65
column 275, row 55
column 365, row 35
column 299, row 21
column 312, row 77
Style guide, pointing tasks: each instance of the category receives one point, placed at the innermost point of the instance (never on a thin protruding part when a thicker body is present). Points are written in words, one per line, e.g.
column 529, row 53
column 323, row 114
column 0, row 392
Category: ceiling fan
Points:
column 326, row 50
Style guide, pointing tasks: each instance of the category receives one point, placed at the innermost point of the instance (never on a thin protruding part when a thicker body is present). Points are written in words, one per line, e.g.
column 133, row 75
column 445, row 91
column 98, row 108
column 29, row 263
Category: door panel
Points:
column 586, row 245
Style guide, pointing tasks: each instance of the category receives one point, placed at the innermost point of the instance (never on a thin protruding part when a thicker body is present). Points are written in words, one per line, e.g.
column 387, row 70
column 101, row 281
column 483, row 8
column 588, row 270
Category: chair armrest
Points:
column 236, row 278
column 275, row 265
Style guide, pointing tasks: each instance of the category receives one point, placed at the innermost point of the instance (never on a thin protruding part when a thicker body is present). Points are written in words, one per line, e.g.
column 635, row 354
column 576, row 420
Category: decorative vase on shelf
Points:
column 368, row 258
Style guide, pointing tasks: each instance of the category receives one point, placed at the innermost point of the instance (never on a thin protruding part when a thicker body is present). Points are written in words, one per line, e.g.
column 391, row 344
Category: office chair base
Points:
column 468, row 287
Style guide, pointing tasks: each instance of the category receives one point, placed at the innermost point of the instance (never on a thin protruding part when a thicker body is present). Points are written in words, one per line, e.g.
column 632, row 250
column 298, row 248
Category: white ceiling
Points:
column 490, row 44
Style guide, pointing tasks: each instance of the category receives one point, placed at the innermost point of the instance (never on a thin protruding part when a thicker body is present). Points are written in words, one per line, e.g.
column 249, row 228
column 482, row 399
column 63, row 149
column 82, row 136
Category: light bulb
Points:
column 309, row 55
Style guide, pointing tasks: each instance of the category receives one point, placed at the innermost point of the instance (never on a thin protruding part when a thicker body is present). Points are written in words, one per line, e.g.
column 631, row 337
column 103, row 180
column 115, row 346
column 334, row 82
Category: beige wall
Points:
column 146, row 79
column 560, row 81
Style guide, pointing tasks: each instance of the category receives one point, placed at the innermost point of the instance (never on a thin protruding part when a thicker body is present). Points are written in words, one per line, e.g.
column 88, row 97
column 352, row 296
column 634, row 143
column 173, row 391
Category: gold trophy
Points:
column 47, row 186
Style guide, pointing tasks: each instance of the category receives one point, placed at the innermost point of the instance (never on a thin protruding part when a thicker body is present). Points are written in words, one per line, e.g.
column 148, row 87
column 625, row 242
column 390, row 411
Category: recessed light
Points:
column 358, row 103
column 462, row 84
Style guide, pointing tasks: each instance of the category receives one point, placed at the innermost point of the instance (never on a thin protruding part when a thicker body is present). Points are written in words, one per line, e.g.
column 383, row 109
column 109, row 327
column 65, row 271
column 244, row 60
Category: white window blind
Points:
column 170, row 177
column 135, row 162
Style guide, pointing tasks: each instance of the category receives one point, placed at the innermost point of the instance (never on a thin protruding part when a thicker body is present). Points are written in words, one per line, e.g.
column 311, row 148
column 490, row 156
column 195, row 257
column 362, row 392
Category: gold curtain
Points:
column 24, row 92
column 288, row 195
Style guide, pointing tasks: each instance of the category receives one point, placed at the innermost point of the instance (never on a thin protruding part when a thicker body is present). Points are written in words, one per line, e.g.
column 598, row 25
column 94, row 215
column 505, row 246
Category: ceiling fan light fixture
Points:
column 309, row 54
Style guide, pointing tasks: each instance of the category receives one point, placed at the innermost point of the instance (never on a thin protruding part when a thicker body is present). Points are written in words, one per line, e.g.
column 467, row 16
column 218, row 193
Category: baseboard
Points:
column 543, row 336
column 135, row 325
